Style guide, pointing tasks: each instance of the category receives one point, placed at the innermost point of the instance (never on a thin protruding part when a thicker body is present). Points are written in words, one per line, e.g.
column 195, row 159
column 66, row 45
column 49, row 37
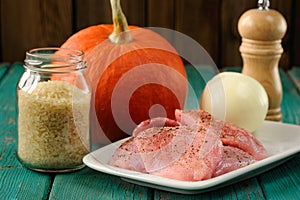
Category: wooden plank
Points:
column 161, row 14
column 286, row 9
column 3, row 69
column 276, row 181
column 33, row 23
column 291, row 100
column 295, row 30
column 8, row 123
column 231, row 11
column 1, row 47
column 294, row 74
column 95, row 12
column 92, row 12
column 282, row 182
column 55, row 21
column 16, row 182
column 21, row 183
column 200, row 21
column 249, row 189
column 134, row 11
column 90, row 184
column 174, row 196
column 198, row 76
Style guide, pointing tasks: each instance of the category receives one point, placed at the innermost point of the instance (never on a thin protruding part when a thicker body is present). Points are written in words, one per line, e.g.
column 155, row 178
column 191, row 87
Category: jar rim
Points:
column 55, row 60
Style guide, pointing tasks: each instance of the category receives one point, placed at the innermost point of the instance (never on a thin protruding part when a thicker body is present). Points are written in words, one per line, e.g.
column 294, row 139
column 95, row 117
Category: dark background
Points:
column 27, row 24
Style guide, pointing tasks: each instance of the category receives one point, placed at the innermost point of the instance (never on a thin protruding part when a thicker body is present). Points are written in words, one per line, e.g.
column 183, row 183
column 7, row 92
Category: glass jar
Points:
column 53, row 98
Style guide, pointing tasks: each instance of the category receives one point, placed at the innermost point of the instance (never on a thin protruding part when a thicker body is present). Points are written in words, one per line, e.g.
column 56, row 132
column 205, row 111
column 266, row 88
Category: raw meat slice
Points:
column 188, row 153
column 155, row 122
column 230, row 134
column 242, row 139
column 191, row 117
column 127, row 156
column 195, row 147
column 234, row 158
column 198, row 162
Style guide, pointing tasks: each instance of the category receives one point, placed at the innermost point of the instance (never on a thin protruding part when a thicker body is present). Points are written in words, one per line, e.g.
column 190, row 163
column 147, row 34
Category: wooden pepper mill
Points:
column 262, row 30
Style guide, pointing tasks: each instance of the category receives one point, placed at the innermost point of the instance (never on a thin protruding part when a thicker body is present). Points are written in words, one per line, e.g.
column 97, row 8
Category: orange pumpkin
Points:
column 135, row 74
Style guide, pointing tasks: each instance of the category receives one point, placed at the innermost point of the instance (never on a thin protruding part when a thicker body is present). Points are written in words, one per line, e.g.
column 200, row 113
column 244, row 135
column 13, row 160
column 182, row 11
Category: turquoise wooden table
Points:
column 17, row 182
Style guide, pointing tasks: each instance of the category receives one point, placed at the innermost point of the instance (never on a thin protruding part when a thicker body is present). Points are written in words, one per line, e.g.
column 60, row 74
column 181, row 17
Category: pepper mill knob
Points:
column 262, row 30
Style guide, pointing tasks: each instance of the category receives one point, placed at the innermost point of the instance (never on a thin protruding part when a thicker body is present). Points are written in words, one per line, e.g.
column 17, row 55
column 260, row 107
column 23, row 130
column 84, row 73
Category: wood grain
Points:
column 21, row 183
column 249, row 189
column 1, row 46
column 8, row 123
column 276, row 182
column 3, row 68
column 291, row 100
column 294, row 74
column 33, row 23
column 286, row 9
column 200, row 21
column 230, row 40
column 92, row 12
column 295, row 32
column 161, row 13
column 134, row 11
column 25, row 25
column 96, row 186
column 16, row 182
column 261, row 49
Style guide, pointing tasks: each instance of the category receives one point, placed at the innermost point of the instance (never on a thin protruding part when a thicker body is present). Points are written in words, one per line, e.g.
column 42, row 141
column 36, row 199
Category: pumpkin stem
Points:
column 120, row 34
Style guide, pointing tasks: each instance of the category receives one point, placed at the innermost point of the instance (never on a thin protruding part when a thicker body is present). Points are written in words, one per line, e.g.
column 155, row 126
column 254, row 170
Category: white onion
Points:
column 236, row 98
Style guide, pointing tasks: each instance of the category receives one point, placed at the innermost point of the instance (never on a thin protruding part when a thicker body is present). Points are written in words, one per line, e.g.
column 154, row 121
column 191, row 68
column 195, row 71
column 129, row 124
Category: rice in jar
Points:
column 53, row 110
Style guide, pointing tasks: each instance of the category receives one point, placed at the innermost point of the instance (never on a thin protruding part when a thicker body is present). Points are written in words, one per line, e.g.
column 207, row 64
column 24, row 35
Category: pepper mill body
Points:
column 262, row 31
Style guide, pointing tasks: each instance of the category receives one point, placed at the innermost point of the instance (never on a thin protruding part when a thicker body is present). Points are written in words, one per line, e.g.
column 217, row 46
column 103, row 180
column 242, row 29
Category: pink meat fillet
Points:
column 155, row 122
column 234, row 158
column 195, row 147
column 127, row 156
column 230, row 134
column 187, row 153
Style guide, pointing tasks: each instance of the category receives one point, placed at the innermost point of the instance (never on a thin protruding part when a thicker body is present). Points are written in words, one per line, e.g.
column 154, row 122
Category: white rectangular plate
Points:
column 281, row 140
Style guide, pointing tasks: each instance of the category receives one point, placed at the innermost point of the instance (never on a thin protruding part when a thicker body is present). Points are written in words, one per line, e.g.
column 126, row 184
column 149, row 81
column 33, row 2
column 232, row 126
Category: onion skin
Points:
column 236, row 98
